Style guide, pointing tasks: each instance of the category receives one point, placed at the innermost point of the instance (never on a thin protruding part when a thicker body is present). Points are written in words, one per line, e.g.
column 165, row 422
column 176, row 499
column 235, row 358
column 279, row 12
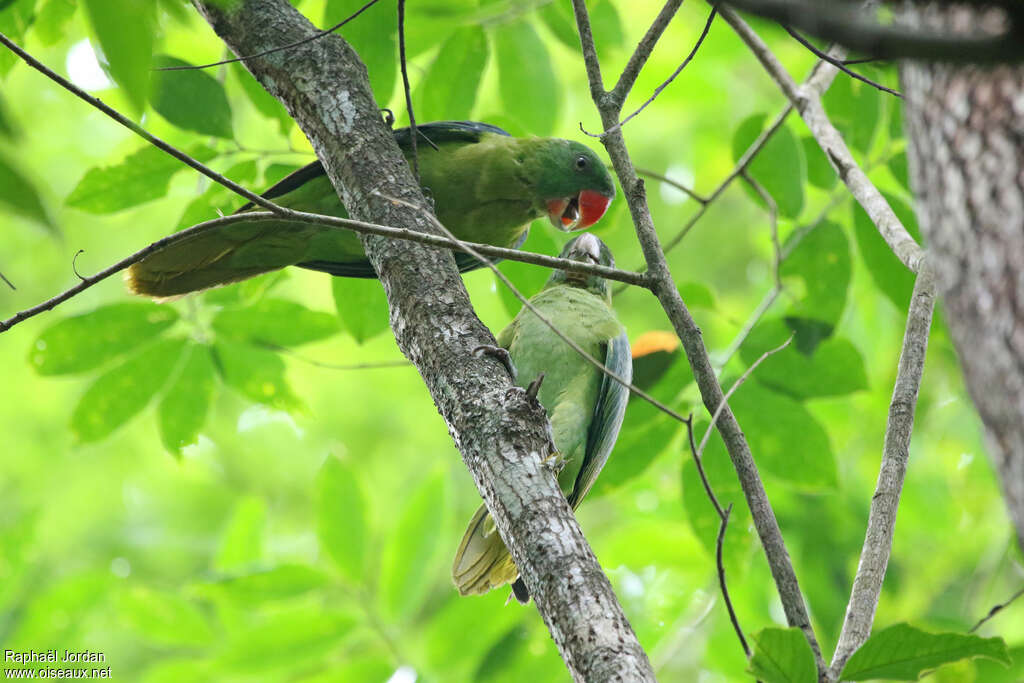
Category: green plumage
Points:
column 584, row 405
column 486, row 186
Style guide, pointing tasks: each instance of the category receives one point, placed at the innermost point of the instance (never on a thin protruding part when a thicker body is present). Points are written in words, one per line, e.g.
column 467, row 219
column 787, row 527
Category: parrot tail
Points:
column 482, row 561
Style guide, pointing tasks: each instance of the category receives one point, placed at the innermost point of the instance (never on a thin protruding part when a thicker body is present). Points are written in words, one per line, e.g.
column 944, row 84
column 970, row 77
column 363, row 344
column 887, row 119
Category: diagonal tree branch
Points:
column 874, row 558
column 665, row 290
column 807, row 101
column 502, row 436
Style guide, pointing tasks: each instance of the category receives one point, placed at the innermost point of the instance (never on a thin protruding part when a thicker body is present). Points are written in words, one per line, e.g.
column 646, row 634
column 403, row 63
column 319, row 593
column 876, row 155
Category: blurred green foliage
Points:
column 207, row 490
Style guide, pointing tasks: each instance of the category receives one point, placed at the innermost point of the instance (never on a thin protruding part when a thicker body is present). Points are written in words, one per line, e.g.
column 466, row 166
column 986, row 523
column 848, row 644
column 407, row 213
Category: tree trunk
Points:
column 965, row 126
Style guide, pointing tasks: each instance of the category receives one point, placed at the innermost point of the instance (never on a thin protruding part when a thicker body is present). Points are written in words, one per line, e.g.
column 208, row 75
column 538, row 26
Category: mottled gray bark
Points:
column 503, row 437
column 965, row 126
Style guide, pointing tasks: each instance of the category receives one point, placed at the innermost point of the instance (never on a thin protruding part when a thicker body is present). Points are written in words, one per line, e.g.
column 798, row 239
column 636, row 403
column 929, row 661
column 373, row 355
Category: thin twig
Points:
column 665, row 84
column 874, row 557
column 719, row 546
column 996, row 610
column 405, row 84
column 472, row 251
column 672, row 183
column 331, row 222
column 838, row 63
column 773, row 220
column 334, row 366
column 315, row 36
column 9, row 283
column 736, row 385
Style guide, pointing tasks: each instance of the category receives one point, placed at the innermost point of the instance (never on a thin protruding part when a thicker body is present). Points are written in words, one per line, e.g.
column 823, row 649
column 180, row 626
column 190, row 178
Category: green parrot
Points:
column 585, row 406
column 486, row 186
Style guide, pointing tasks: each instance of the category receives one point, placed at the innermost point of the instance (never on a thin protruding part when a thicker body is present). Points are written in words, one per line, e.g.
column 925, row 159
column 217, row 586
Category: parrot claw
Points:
column 556, row 461
column 499, row 354
column 389, row 117
column 534, row 388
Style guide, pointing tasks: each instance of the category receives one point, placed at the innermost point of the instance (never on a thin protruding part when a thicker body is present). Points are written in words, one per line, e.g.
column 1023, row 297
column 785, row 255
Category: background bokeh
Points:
column 307, row 534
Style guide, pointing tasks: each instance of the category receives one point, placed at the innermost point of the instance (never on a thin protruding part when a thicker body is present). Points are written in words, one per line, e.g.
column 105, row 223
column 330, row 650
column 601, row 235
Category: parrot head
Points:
column 572, row 181
column 587, row 248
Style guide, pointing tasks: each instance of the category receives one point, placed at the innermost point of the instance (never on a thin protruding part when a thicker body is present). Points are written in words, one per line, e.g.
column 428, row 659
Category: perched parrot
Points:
column 486, row 187
column 585, row 406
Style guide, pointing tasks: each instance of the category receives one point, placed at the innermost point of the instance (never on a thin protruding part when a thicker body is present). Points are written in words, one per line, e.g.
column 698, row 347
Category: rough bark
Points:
column 965, row 127
column 503, row 436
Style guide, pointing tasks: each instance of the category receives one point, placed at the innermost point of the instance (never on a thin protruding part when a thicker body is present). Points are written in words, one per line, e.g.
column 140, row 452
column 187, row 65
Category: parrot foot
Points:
column 556, row 461
column 499, row 354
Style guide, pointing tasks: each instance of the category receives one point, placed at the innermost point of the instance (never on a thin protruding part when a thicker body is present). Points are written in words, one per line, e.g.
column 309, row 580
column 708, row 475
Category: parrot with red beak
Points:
column 486, row 186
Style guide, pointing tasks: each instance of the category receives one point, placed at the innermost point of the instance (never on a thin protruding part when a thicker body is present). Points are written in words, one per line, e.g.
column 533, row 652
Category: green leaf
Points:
column 854, row 108
column 242, row 542
column 903, row 652
column 557, row 16
column 16, row 16
column 142, row 177
column 697, row 295
column 411, row 548
column 163, row 618
column 191, row 99
column 898, row 165
column 786, row 440
column 833, row 368
column 8, row 129
column 889, row 274
column 247, row 292
column 362, row 306
column 654, row 352
column 125, row 31
column 278, row 583
column 19, row 195
column 782, row 655
column 341, row 518
column 526, row 80
column 605, row 25
column 275, row 322
column 288, row 639
column 817, row 274
column 184, row 407
column 450, row 85
column 257, row 374
column 779, row 167
column 265, row 103
column 87, row 341
column 124, row 390
column 819, row 171
column 528, row 278
column 373, row 36
column 52, row 19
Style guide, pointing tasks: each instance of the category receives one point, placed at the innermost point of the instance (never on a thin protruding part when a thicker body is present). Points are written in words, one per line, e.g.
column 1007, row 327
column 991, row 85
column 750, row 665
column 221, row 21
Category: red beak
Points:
column 579, row 212
column 592, row 207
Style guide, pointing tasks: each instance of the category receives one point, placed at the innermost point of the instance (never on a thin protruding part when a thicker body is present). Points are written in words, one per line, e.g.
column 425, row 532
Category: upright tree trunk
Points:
column 965, row 126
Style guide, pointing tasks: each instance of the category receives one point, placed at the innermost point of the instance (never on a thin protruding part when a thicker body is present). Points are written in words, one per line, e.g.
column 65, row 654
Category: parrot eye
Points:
column 581, row 163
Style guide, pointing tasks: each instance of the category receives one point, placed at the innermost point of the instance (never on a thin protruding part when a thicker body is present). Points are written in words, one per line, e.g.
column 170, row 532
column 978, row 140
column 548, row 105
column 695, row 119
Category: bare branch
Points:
column 849, row 27
column 996, row 610
column 665, row 290
column 662, row 178
column 807, row 100
column 874, row 558
column 333, row 222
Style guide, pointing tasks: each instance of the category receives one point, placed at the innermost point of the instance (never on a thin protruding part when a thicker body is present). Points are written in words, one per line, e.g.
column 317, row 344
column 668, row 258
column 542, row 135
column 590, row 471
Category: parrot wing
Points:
column 608, row 413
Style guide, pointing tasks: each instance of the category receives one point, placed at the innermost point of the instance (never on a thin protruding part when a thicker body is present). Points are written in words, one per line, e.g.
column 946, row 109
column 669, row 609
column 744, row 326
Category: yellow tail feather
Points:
column 482, row 561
